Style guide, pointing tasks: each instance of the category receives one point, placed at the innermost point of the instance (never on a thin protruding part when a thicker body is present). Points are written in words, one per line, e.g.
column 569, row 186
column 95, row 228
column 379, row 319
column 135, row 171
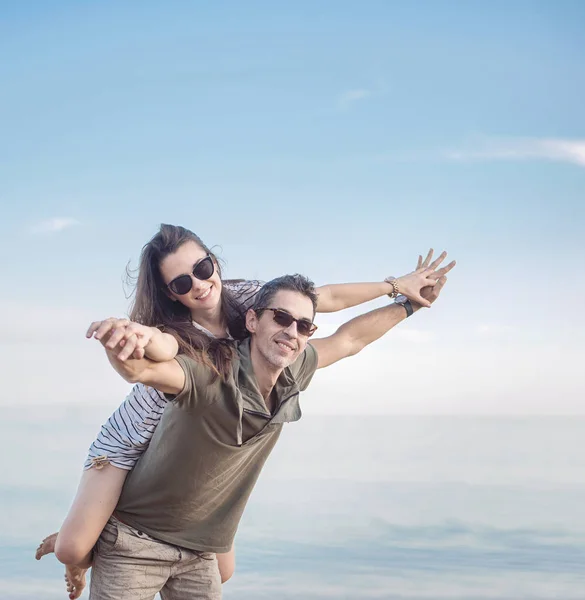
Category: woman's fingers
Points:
column 438, row 260
column 100, row 328
column 133, row 346
column 121, row 336
column 442, row 272
column 104, row 329
column 93, row 328
column 118, row 334
column 129, row 347
column 138, row 353
column 428, row 258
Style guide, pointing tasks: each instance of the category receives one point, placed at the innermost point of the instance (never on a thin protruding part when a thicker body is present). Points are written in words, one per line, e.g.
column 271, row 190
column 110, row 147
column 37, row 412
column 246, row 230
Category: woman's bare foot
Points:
column 46, row 546
column 75, row 579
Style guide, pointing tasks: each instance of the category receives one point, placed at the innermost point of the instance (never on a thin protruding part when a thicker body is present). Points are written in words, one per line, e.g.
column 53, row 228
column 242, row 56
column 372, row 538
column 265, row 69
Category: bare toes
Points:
column 76, row 582
column 46, row 546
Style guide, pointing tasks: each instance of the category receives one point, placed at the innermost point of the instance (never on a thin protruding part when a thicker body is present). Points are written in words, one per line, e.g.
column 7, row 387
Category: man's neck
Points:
column 265, row 373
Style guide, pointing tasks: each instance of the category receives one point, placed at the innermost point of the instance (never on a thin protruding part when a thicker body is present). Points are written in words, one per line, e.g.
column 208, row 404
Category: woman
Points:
column 181, row 305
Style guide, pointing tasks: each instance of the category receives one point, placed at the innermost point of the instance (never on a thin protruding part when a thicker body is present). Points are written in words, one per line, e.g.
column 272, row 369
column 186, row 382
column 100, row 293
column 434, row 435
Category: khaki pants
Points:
column 131, row 565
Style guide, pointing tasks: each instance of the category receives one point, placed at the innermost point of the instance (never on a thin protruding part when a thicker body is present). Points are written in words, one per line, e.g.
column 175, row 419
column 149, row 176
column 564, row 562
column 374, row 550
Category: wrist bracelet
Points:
column 394, row 283
column 407, row 307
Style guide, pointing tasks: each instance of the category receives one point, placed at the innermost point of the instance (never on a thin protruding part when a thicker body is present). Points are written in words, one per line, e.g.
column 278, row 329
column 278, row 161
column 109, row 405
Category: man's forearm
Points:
column 339, row 296
column 356, row 334
column 369, row 327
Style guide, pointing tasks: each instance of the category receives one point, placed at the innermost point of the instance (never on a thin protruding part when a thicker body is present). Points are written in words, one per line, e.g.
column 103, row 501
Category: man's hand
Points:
column 130, row 370
column 431, row 293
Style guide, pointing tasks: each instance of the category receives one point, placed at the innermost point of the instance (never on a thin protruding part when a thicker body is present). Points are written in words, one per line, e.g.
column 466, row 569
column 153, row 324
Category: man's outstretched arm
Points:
column 361, row 331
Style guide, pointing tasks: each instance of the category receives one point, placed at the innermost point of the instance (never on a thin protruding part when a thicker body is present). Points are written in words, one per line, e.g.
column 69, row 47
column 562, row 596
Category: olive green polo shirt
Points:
column 192, row 484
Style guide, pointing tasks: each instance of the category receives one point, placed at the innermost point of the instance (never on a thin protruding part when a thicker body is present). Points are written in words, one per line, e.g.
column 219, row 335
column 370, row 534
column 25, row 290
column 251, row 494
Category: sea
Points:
column 356, row 507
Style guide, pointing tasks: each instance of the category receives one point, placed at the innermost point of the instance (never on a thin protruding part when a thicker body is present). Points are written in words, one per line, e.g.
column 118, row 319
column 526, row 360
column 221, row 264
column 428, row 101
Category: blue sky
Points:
column 335, row 139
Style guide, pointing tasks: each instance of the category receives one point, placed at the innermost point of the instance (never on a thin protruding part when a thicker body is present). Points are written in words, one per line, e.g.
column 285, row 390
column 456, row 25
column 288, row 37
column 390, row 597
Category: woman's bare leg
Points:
column 96, row 499
column 227, row 564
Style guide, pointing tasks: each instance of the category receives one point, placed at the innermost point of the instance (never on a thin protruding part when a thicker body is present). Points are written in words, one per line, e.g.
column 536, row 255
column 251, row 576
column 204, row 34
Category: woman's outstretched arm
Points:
column 339, row 296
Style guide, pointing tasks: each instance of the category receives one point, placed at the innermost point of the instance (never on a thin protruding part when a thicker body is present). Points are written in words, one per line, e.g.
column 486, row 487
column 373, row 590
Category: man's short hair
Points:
column 291, row 283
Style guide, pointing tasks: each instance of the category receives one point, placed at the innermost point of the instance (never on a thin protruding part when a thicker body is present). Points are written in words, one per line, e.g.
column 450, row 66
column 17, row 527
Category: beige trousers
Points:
column 131, row 565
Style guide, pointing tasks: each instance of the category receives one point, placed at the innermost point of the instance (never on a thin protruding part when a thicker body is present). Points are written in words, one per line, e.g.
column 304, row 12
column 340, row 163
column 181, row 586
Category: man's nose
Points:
column 291, row 330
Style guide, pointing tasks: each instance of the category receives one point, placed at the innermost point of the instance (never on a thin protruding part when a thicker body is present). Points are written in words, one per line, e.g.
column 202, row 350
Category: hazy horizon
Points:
column 423, row 508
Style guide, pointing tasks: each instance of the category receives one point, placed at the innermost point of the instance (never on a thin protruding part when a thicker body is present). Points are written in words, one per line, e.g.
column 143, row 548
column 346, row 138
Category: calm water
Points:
column 350, row 507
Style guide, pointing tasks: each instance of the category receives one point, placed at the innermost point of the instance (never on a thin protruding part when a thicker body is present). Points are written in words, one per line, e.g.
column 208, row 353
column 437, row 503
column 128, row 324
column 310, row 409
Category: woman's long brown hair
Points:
column 153, row 307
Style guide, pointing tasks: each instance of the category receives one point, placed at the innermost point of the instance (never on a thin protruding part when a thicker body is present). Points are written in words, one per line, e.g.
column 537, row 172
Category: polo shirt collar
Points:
column 249, row 397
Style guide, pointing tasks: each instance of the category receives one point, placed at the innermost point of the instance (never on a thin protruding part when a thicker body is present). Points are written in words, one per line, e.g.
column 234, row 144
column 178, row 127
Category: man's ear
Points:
column 251, row 320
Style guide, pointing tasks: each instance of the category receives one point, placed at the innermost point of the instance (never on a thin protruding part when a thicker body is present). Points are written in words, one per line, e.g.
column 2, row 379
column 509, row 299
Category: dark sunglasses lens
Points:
column 305, row 327
column 181, row 285
column 204, row 269
column 282, row 318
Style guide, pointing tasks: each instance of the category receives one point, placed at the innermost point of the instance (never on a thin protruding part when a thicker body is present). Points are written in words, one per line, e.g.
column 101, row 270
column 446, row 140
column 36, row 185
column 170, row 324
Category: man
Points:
column 183, row 501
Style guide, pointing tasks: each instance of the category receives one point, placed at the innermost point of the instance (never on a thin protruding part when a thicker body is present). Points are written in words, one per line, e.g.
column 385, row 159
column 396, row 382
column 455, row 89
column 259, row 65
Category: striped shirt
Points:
column 126, row 434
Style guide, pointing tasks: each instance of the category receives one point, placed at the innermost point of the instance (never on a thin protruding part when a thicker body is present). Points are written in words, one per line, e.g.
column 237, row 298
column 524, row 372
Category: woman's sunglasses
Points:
column 203, row 270
column 285, row 319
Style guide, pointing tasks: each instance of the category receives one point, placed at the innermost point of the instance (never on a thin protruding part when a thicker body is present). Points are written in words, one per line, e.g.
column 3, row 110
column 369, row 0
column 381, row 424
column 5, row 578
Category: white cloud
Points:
column 393, row 377
column 21, row 323
column 414, row 336
column 54, row 225
column 491, row 329
column 73, row 368
column 350, row 97
column 517, row 149
column 403, row 333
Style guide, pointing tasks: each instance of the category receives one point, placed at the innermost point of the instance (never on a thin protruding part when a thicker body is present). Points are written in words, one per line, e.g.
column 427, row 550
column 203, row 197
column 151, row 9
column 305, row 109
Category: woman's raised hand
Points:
column 131, row 337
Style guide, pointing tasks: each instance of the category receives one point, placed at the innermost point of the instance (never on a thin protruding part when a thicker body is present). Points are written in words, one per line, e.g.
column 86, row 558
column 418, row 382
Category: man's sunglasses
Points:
column 203, row 270
column 285, row 319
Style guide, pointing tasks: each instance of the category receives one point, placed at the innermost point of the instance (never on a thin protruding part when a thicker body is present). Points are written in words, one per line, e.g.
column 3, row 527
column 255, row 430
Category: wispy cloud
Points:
column 409, row 335
column 348, row 98
column 517, row 149
column 414, row 336
column 54, row 225
column 493, row 329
